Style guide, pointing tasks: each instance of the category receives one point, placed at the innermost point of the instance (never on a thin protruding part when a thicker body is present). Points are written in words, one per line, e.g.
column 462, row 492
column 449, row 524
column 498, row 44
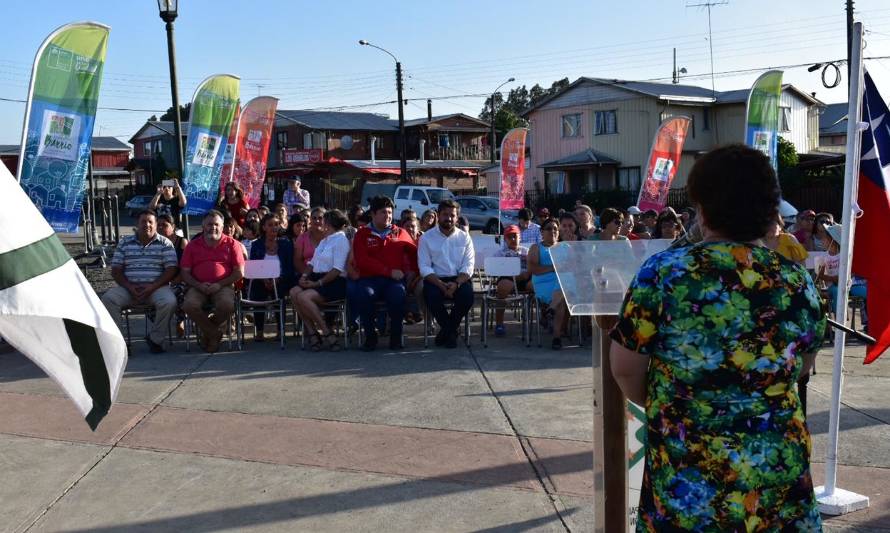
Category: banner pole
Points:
column 832, row 500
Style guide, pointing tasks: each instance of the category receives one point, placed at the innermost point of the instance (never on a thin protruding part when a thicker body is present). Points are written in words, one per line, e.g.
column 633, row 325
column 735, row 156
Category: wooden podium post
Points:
column 610, row 481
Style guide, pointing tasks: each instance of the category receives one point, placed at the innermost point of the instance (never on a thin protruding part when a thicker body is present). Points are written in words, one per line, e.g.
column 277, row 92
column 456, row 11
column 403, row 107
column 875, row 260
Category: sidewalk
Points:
column 474, row 439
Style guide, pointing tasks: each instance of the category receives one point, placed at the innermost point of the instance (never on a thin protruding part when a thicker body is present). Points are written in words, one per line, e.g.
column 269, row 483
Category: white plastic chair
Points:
column 496, row 268
column 260, row 270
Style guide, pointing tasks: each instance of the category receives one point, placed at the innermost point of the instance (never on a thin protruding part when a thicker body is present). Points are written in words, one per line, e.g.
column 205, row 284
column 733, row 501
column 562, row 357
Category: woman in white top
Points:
column 325, row 282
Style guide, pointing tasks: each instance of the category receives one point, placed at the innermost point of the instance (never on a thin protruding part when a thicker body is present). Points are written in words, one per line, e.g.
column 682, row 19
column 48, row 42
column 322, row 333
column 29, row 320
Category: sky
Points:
column 307, row 53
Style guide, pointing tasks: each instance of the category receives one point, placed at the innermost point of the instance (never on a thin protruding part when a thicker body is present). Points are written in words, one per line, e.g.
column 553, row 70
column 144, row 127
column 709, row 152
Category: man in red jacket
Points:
column 382, row 252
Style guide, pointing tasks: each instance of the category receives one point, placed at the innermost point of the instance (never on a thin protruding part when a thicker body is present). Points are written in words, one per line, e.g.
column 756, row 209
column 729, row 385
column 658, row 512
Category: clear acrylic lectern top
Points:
column 594, row 275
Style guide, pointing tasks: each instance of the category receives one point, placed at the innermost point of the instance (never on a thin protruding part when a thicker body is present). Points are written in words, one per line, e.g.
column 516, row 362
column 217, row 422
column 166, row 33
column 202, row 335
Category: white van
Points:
column 419, row 198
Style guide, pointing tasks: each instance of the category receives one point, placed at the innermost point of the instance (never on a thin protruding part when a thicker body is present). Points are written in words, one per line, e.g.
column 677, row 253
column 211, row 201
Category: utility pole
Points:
column 403, row 155
column 849, row 42
column 708, row 5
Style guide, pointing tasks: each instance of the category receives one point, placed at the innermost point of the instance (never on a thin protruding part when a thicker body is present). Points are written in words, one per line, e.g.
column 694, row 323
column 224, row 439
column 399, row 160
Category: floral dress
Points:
column 725, row 326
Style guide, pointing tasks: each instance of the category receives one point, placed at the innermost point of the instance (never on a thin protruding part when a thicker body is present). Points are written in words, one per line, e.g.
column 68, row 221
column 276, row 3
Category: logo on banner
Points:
column 662, row 170
column 208, row 147
column 229, row 154
column 60, row 134
column 255, row 136
column 763, row 141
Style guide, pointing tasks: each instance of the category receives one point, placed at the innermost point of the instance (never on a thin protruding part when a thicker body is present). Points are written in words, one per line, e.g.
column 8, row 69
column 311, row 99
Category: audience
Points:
column 271, row 247
column 446, row 259
column 505, row 285
column 668, row 225
column 785, row 244
column 143, row 266
column 612, row 222
column 324, row 281
column 295, row 197
column 169, row 200
column 210, row 266
column 543, row 275
column 428, row 220
column 384, row 254
column 584, row 218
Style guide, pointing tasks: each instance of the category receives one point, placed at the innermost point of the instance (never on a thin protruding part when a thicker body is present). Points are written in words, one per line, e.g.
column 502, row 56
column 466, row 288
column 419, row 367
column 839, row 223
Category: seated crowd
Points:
column 388, row 270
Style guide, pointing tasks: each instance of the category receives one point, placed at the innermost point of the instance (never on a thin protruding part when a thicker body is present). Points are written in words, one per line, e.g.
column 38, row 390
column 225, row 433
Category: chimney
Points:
column 429, row 109
column 422, row 150
column 373, row 150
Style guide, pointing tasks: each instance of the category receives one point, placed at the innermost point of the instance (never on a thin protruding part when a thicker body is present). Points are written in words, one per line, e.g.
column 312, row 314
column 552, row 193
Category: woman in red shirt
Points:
column 234, row 203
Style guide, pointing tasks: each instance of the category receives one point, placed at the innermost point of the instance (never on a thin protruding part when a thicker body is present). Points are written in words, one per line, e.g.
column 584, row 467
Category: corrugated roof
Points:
column 99, row 143
column 421, row 121
column 833, row 120
column 581, row 159
column 338, row 120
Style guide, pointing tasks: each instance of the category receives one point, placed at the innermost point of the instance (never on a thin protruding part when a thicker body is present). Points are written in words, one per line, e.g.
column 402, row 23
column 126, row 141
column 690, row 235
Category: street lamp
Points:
column 494, row 138
column 168, row 10
column 403, row 165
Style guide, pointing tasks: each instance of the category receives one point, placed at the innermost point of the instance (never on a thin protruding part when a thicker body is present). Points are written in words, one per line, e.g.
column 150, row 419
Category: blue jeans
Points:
column 435, row 302
column 363, row 292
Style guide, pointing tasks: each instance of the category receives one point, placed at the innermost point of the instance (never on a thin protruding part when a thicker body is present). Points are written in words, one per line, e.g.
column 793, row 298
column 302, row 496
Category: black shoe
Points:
column 441, row 338
column 451, row 341
column 154, row 347
column 370, row 343
column 396, row 344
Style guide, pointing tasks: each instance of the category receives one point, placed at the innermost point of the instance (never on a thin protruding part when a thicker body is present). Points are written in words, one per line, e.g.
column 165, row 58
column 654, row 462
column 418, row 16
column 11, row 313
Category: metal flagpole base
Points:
column 840, row 501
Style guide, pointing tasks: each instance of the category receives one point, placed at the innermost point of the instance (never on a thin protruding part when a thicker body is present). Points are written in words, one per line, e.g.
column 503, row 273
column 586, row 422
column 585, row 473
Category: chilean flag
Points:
column 871, row 249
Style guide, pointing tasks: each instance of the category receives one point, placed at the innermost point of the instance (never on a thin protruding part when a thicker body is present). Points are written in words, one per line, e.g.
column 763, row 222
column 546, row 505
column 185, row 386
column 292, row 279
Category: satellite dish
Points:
column 346, row 142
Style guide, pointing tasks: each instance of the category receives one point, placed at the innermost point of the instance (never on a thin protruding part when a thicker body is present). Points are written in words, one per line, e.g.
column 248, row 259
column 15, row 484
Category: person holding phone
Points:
column 169, row 200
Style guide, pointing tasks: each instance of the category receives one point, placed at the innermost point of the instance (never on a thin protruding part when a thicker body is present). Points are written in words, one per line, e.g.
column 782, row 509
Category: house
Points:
column 154, row 151
column 596, row 133
column 110, row 160
column 833, row 128
column 455, row 136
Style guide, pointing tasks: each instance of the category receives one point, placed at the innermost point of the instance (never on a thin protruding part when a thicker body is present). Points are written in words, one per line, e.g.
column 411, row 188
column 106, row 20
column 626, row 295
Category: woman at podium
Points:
column 712, row 339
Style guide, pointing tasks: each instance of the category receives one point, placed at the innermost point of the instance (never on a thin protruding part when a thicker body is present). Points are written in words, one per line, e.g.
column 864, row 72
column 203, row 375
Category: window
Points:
column 629, row 178
column 281, row 137
column 146, row 148
column 417, row 195
column 785, row 119
column 314, row 140
column 156, row 147
column 606, row 122
column 403, row 194
column 571, row 125
column 706, row 118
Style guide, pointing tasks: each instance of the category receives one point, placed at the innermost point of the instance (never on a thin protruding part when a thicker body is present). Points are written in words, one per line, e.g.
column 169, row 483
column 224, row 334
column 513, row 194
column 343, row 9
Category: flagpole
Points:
column 833, row 500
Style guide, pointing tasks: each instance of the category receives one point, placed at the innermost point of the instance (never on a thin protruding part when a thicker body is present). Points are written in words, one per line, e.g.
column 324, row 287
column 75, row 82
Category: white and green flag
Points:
column 50, row 313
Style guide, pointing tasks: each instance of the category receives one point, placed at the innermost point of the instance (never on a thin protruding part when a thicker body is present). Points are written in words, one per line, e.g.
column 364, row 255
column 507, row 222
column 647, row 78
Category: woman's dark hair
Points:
column 550, row 222
column 253, row 226
column 352, row 213
column 336, row 219
column 608, row 215
column 239, row 192
column 736, row 189
column 166, row 218
column 267, row 218
column 570, row 216
column 668, row 215
column 448, row 203
column 301, row 217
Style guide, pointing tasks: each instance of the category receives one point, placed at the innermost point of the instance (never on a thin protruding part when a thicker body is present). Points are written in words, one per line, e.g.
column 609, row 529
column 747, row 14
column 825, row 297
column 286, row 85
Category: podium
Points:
column 594, row 277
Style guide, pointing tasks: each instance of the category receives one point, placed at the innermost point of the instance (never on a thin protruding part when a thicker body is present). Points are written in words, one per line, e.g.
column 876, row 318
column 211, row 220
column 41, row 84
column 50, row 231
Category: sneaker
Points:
column 451, row 342
column 154, row 347
column 500, row 330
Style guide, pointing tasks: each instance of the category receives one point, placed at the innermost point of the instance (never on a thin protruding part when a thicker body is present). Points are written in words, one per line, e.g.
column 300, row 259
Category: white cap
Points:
column 634, row 210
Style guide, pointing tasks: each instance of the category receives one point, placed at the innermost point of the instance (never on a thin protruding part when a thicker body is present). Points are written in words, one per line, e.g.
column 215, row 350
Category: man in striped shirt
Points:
column 143, row 266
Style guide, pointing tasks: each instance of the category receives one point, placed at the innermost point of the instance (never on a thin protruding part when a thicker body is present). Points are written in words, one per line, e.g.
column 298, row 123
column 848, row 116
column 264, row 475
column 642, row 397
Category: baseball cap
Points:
column 835, row 232
column 513, row 228
column 633, row 210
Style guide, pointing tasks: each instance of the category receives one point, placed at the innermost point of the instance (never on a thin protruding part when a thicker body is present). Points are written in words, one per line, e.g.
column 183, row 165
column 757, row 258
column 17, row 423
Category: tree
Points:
column 788, row 173
column 518, row 100
column 184, row 111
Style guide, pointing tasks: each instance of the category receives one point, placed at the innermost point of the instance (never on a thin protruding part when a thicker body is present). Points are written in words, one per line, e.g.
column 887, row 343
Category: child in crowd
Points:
column 505, row 285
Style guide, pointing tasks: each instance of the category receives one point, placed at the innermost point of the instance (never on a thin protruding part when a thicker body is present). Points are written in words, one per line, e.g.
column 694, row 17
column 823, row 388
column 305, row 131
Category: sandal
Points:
column 333, row 342
column 315, row 343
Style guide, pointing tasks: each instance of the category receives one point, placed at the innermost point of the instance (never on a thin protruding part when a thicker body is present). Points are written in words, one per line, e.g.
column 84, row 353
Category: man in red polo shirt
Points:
column 210, row 266
column 383, row 254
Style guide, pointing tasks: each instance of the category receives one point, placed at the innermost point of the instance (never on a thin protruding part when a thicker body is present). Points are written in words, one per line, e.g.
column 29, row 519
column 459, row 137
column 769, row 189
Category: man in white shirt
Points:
column 445, row 258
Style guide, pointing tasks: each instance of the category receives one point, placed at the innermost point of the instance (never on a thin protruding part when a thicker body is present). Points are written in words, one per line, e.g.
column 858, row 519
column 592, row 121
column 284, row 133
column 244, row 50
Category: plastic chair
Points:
column 496, row 268
column 144, row 310
column 260, row 270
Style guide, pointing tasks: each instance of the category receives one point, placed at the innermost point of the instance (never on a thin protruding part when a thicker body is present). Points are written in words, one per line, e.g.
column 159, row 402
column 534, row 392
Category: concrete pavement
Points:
column 471, row 439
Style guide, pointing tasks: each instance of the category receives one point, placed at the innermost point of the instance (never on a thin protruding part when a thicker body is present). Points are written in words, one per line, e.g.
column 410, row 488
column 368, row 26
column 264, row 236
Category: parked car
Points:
column 482, row 212
column 137, row 204
column 419, row 198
